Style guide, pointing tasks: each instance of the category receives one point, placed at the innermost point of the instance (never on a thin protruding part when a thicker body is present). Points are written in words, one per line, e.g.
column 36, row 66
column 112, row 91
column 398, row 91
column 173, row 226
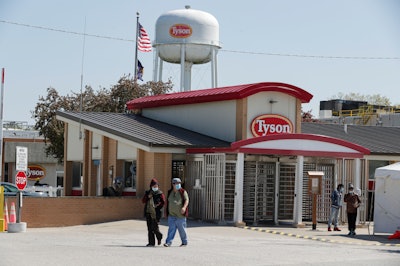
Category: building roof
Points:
column 152, row 133
column 142, row 130
column 379, row 140
column 218, row 94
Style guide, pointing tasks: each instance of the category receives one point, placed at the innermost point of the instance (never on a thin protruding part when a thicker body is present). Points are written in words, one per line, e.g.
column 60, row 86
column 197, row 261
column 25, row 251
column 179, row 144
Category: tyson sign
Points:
column 35, row 171
column 180, row 31
column 265, row 125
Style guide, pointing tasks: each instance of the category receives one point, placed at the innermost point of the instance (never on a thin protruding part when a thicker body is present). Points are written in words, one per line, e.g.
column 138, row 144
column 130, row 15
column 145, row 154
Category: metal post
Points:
column 136, row 50
column 314, row 211
column 1, row 124
column 19, row 206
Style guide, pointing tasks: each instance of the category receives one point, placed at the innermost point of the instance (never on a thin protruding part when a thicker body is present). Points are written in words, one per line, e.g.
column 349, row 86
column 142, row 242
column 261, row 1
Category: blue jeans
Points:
column 175, row 223
column 333, row 218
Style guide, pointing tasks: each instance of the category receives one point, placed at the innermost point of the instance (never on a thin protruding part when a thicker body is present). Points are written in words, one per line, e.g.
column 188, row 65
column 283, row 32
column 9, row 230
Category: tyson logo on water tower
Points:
column 180, row 31
column 269, row 124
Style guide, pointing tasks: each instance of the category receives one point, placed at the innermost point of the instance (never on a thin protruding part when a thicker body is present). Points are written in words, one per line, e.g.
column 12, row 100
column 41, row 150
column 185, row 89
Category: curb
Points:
column 316, row 238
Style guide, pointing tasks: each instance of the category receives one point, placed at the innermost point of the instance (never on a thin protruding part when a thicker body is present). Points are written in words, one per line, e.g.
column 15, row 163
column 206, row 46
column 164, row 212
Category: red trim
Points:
column 218, row 94
column 76, row 192
column 210, row 150
column 128, row 193
column 371, row 185
column 302, row 152
column 299, row 136
column 238, row 147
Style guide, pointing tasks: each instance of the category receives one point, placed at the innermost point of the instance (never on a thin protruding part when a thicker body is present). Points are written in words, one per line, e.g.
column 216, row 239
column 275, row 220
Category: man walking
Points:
column 336, row 198
column 177, row 211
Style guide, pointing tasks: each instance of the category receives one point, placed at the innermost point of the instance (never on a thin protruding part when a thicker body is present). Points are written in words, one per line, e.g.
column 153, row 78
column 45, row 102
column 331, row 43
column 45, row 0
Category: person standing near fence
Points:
column 352, row 203
column 336, row 198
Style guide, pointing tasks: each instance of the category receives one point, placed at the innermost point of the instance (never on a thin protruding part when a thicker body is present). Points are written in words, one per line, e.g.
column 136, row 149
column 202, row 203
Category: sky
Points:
column 324, row 47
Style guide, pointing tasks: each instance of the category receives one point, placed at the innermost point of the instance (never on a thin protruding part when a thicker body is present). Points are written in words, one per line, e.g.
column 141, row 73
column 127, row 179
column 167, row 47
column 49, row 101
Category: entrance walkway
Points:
column 365, row 235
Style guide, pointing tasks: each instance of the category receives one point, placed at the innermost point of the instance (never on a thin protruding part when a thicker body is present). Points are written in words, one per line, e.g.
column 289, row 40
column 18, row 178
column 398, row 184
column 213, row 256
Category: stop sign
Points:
column 20, row 180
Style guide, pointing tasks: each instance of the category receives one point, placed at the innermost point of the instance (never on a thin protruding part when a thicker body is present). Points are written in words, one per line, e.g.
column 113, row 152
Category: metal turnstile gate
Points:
column 259, row 192
column 287, row 180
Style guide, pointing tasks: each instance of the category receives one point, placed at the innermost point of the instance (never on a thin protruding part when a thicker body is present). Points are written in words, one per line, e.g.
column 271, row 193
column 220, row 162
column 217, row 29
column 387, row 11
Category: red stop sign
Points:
column 20, row 180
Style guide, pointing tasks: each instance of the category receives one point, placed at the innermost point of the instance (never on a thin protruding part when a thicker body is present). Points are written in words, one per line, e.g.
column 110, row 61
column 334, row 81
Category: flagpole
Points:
column 136, row 50
column 1, row 124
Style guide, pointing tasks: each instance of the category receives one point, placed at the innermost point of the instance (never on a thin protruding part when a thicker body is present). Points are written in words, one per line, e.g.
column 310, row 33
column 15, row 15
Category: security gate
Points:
column 206, row 183
column 258, row 192
column 287, row 180
column 323, row 200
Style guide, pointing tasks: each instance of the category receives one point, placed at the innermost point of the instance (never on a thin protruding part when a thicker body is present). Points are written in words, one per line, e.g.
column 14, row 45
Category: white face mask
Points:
column 154, row 189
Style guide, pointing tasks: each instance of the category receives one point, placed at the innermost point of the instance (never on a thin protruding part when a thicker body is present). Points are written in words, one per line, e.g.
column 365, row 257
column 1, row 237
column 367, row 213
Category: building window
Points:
column 130, row 174
column 178, row 170
column 77, row 174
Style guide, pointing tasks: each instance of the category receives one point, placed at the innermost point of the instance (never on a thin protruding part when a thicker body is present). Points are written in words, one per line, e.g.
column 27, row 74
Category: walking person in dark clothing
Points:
column 353, row 202
column 154, row 200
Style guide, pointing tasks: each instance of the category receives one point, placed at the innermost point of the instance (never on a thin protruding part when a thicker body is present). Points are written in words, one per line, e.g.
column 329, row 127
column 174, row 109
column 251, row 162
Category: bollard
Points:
column 2, row 222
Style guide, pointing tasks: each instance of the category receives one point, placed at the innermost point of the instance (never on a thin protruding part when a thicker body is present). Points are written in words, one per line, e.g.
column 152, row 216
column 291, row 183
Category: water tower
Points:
column 186, row 37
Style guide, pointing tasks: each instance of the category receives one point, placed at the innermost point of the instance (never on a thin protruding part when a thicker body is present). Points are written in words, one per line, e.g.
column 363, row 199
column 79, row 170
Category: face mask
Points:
column 154, row 189
column 351, row 192
column 341, row 190
column 177, row 186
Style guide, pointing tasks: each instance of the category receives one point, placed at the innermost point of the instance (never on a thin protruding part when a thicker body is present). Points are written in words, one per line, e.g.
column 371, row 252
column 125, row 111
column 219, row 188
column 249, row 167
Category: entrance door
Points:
column 259, row 191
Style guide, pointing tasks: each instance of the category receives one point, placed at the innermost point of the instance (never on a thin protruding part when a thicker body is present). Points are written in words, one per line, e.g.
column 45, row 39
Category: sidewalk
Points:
column 365, row 234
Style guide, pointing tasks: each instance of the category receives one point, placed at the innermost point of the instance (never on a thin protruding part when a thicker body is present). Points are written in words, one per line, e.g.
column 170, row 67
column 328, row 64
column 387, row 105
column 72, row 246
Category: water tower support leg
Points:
column 183, row 50
column 155, row 66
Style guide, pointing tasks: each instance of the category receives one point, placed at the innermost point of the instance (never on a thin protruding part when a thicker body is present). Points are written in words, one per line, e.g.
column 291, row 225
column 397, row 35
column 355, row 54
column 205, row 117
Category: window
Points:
column 130, row 174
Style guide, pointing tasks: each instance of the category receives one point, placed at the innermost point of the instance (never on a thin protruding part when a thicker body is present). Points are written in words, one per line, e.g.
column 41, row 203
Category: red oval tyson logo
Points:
column 180, row 31
column 35, row 172
column 265, row 125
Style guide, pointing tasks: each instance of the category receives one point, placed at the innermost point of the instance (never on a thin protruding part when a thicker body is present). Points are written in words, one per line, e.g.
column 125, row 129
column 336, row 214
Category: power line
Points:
column 314, row 56
column 222, row 50
column 66, row 31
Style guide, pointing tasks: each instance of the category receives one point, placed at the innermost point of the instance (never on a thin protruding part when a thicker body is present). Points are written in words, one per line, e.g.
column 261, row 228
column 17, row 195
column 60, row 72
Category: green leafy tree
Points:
column 104, row 100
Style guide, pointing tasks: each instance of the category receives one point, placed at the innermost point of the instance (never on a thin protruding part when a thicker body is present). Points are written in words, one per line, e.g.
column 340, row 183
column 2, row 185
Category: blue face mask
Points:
column 154, row 189
column 177, row 186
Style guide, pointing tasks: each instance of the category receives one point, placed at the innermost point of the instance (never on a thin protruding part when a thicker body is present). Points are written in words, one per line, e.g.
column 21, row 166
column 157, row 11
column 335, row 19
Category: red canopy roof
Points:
column 218, row 94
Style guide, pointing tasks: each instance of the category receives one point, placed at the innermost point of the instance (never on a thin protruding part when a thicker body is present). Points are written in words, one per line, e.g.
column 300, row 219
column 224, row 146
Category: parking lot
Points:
column 123, row 243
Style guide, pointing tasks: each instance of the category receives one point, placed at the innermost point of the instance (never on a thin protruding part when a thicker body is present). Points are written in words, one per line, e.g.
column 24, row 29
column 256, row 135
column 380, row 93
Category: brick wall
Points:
column 69, row 211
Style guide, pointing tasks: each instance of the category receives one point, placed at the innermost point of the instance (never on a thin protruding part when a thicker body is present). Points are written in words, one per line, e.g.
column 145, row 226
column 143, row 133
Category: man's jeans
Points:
column 334, row 216
column 175, row 223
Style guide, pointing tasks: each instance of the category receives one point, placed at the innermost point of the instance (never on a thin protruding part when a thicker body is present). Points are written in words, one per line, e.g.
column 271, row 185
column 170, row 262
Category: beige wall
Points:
column 215, row 119
column 69, row 211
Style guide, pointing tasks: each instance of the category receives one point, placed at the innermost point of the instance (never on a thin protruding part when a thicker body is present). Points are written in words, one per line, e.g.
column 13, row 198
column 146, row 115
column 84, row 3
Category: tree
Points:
column 104, row 100
column 375, row 99
column 307, row 116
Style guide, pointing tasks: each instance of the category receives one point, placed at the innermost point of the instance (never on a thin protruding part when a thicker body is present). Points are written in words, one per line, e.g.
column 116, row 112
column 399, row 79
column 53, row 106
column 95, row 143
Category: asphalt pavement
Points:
column 124, row 243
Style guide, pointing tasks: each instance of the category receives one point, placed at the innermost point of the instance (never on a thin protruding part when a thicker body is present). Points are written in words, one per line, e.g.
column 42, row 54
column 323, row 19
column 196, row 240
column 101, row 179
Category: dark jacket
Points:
column 353, row 202
column 336, row 198
column 159, row 202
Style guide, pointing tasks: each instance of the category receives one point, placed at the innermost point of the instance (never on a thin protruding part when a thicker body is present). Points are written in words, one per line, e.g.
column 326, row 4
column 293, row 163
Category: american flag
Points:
column 144, row 43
